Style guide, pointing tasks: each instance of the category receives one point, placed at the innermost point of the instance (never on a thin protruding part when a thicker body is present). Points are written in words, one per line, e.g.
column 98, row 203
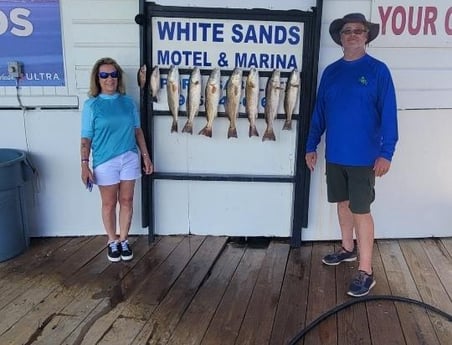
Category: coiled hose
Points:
column 349, row 303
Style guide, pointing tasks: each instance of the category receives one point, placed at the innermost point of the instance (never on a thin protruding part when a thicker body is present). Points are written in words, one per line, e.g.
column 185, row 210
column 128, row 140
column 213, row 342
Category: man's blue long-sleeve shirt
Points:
column 356, row 107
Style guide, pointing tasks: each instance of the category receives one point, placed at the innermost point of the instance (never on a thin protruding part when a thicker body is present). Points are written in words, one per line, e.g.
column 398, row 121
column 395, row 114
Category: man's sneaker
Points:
column 361, row 284
column 114, row 251
column 126, row 251
column 340, row 256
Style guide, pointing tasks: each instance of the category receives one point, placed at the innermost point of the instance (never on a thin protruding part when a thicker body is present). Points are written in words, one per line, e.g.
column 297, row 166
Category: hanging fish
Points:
column 212, row 93
column 272, row 92
column 193, row 99
column 252, row 100
column 233, row 94
column 291, row 97
column 155, row 83
column 173, row 92
column 141, row 76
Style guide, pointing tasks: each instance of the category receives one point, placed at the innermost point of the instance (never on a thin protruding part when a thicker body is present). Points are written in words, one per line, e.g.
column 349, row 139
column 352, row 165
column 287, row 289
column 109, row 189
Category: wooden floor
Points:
column 211, row 290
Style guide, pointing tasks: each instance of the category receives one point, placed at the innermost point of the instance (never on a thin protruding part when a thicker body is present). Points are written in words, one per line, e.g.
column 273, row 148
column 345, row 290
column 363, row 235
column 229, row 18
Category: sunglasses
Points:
column 105, row 75
column 354, row 32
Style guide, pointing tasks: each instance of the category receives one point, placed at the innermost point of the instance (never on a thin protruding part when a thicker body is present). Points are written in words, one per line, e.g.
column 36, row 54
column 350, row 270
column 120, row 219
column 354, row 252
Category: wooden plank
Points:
column 149, row 295
column 83, row 324
column 120, row 331
column 19, row 272
column 95, row 262
column 165, row 318
column 139, row 280
column 29, row 327
column 66, row 292
column 39, row 249
column 258, row 321
column 42, row 283
column 91, row 297
column 49, row 289
column 441, row 260
column 50, row 297
column 225, row 325
column 429, row 286
column 416, row 325
column 447, row 242
column 22, row 272
column 322, row 297
column 291, row 313
column 384, row 323
column 352, row 323
column 196, row 319
column 15, row 312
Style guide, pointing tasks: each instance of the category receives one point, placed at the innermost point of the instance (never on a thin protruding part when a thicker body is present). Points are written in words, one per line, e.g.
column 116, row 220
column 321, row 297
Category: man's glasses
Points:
column 354, row 32
column 105, row 75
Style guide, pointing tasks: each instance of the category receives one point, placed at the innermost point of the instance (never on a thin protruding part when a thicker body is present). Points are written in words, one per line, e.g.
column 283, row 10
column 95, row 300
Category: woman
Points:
column 110, row 133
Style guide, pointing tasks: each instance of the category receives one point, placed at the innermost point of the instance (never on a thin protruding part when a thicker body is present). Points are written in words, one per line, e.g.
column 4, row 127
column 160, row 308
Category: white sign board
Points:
column 413, row 23
column 209, row 43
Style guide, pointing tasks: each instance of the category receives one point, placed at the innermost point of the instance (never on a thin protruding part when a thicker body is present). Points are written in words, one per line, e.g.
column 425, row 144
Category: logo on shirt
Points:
column 363, row 81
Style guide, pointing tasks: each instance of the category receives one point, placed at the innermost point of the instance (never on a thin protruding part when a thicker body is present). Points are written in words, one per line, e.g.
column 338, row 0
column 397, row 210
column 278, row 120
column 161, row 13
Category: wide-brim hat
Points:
column 337, row 25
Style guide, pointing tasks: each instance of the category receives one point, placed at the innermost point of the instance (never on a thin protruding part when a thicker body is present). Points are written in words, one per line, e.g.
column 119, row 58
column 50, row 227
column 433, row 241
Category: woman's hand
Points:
column 87, row 174
column 148, row 167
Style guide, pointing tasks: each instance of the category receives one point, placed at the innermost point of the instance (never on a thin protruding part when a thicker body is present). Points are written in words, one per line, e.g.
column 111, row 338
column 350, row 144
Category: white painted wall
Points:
column 414, row 200
column 61, row 205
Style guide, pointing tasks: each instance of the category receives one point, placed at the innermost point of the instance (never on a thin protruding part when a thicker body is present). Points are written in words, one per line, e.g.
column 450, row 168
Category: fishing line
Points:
column 347, row 304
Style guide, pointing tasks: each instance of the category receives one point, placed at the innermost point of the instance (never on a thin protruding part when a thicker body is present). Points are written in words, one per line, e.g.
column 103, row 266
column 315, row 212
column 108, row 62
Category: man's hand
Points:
column 311, row 160
column 381, row 166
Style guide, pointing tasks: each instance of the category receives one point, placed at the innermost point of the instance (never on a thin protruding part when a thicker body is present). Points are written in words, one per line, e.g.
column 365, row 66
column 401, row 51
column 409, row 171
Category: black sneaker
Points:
column 114, row 251
column 361, row 284
column 126, row 251
column 341, row 256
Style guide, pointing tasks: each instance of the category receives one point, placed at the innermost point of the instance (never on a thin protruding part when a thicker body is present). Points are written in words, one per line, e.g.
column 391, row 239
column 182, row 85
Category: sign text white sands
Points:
column 209, row 43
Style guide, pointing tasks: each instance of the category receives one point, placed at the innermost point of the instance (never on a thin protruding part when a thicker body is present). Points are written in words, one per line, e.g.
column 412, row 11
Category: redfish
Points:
column 291, row 97
column 155, row 83
column 212, row 93
column 173, row 93
column 272, row 92
column 252, row 100
column 233, row 95
column 141, row 76
column 193, row 99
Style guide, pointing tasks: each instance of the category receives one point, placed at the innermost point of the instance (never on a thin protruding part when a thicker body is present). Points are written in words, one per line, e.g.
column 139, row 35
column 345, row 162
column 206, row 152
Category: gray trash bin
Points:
column 15, row 170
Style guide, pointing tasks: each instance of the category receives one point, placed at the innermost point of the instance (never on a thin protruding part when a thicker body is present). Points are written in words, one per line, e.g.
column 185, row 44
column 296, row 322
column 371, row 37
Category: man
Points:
column 356, row 107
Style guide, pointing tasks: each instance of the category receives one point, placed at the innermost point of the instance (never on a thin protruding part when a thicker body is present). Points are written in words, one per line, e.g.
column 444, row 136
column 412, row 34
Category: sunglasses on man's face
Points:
column 105, row 75
column 358, row 32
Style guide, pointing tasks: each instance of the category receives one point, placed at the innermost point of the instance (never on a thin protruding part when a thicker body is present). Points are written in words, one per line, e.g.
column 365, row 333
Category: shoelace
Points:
column 113, row 246
column 361, row 277
column 125, row 245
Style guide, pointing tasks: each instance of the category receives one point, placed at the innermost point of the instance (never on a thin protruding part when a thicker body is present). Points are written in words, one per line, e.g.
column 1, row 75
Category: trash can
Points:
column 15, row 170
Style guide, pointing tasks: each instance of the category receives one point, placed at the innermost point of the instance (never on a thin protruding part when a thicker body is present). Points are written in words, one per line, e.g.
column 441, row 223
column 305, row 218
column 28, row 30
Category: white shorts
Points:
column 124, row 167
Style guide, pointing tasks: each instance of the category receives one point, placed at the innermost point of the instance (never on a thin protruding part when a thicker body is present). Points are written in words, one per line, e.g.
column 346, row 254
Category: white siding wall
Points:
column 415, row 198
column 91, row 29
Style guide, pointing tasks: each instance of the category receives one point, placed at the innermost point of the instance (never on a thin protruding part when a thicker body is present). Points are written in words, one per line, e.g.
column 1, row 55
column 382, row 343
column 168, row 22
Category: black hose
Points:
column 349, row 303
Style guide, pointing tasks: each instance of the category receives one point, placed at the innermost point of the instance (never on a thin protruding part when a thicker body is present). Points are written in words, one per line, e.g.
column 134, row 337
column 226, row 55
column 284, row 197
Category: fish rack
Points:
column 301, row 177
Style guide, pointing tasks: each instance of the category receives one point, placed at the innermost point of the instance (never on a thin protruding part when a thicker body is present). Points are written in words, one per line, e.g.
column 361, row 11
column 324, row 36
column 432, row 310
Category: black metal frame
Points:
column 311, row 43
